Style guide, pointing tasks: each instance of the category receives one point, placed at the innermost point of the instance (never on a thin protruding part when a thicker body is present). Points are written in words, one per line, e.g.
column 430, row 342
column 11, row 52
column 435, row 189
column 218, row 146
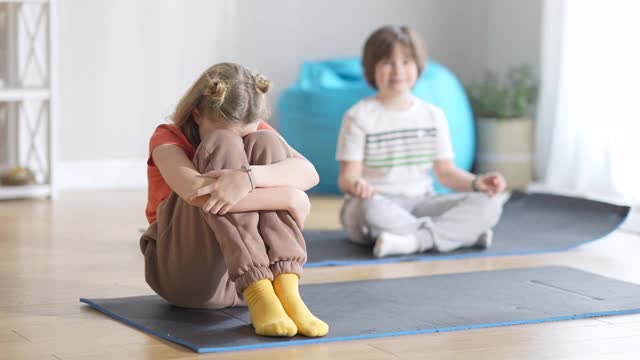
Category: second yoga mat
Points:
column 530, row 224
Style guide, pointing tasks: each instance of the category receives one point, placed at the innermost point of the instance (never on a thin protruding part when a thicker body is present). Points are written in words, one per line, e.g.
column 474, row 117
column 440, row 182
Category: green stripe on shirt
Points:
column 392, row 164
column 406, row 157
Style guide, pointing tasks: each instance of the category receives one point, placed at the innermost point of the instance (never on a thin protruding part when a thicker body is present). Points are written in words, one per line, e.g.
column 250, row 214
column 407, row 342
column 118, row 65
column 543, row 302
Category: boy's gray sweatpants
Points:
column 439, row 222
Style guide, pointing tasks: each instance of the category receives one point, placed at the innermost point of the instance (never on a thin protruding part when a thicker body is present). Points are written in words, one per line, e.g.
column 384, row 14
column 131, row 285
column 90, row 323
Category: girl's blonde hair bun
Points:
column 262, row 83
column 216, row 90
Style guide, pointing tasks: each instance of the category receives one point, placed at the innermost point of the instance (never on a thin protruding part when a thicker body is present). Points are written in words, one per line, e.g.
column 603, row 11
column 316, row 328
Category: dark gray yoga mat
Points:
column 393, row 307
column 530, row 223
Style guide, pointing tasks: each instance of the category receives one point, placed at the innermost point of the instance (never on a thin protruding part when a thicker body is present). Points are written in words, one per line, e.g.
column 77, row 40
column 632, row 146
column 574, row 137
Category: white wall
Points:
column 277, row 36
column 122, row 67
column 513, row 34
column 124, row 64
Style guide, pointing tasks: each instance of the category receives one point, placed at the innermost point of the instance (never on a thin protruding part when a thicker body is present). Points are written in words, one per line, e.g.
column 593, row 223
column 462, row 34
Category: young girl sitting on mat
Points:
column 226, row 205
column 387, row 145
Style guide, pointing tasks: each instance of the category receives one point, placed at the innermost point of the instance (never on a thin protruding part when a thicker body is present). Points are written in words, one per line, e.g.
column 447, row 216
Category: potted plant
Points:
column 504, row 127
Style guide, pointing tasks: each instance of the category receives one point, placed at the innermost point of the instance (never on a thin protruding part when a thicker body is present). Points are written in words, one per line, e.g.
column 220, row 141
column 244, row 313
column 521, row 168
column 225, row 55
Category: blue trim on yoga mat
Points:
column 357, row 337
column 411, row 258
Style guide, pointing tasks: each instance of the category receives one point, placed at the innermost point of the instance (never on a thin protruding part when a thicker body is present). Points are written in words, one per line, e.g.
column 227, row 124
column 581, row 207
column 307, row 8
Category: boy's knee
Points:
column 488, row 207
column 374, row 211
column 356, row 221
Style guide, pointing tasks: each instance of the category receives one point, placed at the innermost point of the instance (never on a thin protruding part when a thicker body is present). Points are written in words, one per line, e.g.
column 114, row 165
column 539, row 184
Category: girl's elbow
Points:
column 315, row 178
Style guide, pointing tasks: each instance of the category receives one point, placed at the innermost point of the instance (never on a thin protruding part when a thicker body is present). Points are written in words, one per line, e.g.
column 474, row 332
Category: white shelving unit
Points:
column 27, row 93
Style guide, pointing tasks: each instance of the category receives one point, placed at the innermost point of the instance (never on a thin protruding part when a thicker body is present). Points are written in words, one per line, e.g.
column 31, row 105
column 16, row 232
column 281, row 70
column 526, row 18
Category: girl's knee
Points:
column 264, row 139
column 263, row 136
column 222, row 145
column 221, row 138
column 266, row 147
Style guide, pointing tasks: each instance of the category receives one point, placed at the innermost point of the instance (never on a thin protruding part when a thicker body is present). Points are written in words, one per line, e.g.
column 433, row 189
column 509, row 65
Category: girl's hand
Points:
column 362, row 189
column 299, row 207
column 226, row 189
column 491, row 183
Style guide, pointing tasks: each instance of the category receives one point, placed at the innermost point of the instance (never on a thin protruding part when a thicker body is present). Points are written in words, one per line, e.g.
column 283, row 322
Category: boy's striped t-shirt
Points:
column 397, row 148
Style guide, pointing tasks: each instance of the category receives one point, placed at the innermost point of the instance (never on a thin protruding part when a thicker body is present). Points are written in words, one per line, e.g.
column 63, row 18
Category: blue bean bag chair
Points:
column 310, row 112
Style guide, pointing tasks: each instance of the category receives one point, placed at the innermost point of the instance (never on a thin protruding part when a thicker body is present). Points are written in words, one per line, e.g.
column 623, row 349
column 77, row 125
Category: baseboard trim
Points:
column 100, row 174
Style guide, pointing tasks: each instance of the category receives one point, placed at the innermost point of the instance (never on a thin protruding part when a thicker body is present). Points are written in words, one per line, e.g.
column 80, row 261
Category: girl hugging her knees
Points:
column 388, row 143
column 226, row 205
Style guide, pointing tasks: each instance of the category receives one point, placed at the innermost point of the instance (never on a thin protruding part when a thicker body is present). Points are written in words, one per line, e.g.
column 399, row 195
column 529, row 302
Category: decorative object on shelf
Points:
column 18, row 176
column 504, row 127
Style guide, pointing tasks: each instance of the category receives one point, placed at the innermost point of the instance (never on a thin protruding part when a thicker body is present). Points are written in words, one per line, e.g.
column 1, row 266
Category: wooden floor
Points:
column 86, row 245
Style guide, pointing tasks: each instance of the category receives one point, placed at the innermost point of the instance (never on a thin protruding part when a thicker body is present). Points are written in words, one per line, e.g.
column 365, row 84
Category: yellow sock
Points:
column 286, row 287
column 267, row 314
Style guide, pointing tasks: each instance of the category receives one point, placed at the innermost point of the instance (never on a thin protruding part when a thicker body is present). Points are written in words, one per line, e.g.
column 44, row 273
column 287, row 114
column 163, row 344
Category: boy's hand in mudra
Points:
column 362, row 189
column 491, row 183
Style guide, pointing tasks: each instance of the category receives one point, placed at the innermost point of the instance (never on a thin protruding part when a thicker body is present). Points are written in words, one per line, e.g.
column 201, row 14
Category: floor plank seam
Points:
column 22, row 336
column 384, row 351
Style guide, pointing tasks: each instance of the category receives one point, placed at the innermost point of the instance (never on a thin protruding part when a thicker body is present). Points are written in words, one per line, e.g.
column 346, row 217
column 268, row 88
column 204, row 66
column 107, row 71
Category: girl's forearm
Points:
column 275, row 198
column 296, row 172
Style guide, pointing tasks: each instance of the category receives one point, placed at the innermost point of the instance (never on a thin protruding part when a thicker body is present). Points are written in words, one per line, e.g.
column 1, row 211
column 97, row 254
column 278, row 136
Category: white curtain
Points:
column 588, row 135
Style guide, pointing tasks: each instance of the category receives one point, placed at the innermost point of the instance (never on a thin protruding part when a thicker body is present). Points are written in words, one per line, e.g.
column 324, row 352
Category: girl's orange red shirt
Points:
column 158, row 188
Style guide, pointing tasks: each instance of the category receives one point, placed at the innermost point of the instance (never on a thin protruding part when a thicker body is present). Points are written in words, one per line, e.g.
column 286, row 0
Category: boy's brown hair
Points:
column 224, row 92
column 379, row 46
